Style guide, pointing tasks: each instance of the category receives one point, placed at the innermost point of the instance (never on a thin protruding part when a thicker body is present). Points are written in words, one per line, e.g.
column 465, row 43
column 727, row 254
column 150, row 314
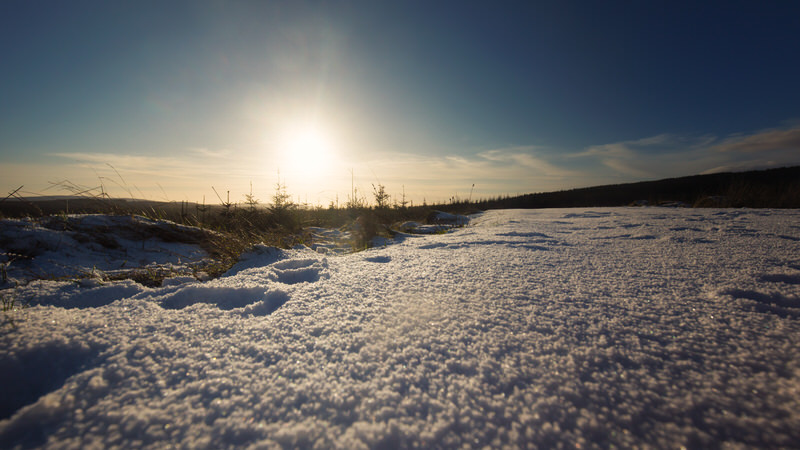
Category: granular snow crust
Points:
column 538, row 328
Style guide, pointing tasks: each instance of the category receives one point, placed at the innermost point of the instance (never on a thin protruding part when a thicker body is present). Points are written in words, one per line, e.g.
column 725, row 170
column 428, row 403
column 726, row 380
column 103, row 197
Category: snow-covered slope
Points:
column 91, row 245
column 544, row 328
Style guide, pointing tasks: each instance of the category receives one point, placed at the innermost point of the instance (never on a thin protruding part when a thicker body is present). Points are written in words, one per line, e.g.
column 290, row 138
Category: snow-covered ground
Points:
column 544, row 328
column 94, row 246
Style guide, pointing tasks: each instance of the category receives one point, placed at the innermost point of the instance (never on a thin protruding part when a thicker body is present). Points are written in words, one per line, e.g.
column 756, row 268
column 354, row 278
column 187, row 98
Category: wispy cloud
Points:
column 763, row 141
column 209, row 153
column 179, row 174
column 627, row 149
column 629, row 168
column 499, row 171
column 528, row 157
column 193, row 163
column 123, row 161
column 669, row 155
column 643, row 158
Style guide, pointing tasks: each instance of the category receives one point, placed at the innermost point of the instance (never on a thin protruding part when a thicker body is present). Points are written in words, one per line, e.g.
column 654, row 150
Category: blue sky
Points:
column 167, row 99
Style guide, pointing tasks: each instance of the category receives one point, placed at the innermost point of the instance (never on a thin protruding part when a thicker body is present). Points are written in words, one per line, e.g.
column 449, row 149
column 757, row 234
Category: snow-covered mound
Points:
column 548, row 328
column 92, row 246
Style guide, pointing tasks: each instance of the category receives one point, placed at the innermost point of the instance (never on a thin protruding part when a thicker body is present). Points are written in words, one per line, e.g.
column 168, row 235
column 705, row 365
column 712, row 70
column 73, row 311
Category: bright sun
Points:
column 306, row 149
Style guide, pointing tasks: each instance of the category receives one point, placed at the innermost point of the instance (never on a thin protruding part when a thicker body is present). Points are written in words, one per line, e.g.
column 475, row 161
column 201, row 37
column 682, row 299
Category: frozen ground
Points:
column 544, row 328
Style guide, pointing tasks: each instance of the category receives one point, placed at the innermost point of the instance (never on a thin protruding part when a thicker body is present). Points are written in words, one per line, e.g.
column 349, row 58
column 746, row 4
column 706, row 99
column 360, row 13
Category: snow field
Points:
column 545, row 328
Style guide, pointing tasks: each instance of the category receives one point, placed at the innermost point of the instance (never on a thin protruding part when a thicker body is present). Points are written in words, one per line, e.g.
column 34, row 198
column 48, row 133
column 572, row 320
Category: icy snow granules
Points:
column 544, row 328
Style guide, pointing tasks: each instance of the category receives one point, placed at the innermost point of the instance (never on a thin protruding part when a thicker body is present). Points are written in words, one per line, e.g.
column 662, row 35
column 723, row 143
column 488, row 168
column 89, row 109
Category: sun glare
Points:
column 306, row 149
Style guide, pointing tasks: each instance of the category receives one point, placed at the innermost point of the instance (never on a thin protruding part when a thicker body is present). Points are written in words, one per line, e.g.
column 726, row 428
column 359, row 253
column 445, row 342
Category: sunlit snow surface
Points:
column 542, row 328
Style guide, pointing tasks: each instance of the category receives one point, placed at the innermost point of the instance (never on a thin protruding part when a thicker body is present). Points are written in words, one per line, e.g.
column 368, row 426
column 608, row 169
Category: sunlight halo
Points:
column 307, row 150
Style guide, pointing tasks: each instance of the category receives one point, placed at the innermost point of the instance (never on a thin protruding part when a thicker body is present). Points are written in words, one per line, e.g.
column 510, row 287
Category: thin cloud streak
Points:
column 767, row 140
column 512, row 170
column 526, row 157
column 183, row 176
column 668, row 155
column 187, row 166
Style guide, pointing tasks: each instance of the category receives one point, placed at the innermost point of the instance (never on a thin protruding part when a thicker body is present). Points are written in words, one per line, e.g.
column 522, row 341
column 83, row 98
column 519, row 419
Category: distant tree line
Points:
column 773, row 188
